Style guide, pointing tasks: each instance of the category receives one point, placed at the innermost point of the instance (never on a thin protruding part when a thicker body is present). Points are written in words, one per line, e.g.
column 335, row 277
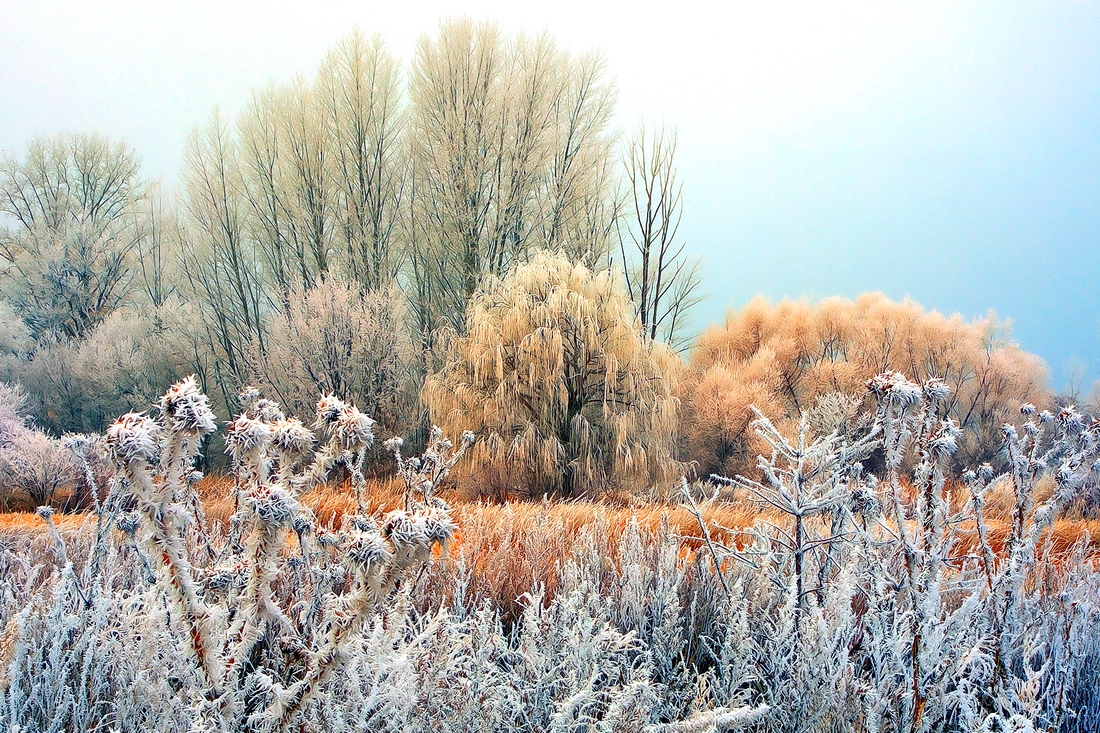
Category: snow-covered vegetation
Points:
column 841, row 516
column 858, row 600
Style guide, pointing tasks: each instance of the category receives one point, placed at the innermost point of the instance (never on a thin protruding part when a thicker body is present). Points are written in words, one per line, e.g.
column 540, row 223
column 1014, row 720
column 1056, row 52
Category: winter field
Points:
column 822, row 597
column 391, row 414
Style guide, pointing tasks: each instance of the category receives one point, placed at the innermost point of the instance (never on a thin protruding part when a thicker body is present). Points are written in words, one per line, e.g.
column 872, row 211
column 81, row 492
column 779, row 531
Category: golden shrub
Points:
column 785, row 358
column 564, row 393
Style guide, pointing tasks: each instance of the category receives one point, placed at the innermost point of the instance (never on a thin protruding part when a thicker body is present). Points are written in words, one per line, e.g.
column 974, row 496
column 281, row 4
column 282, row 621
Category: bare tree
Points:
column 69, row 257
column 359, row 96
column 509, row 144
column 662, row 280
column 221, row 262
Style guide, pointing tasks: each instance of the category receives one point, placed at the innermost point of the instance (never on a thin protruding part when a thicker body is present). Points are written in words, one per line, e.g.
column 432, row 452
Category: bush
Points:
column 333, row 339
column 249, row 661
column 565, row 394
column 38, row 470
column 123, row 364
column 795, row 357
column 844, row 607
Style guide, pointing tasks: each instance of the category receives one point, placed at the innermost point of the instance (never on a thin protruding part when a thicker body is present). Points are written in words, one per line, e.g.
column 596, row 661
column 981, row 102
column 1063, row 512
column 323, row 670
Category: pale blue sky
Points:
column 946, row 151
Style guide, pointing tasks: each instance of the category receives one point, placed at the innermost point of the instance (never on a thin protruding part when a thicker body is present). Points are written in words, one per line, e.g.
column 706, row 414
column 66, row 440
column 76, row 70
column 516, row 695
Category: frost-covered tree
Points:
column 334, row 339
column 565, row 393
column 511, row 151
column 69, row 260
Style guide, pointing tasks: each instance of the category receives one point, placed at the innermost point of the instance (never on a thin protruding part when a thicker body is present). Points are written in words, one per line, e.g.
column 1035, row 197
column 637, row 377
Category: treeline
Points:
column 466, row 241
column 368, row 200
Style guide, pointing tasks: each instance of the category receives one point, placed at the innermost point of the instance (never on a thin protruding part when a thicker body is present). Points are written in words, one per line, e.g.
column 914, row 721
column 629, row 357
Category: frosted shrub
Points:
column 890, row 600
column 35, row 468
column 257, row 663
column 882, row 602
column 784, row 358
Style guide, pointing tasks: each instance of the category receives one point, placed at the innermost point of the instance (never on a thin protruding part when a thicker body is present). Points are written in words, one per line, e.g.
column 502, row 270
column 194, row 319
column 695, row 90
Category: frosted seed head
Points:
column 468, row 437
column 44, row 511
column 1027, row 409
column 404, row 529
column 245, row 435
column 276, row 506
column 133, row 436
column 438, row 525
column 328, row 410
column 268, row 411
column 352, row 430
column 292, row 436
column 393, row 445
column 1071, row 420
column 368, row 550
column 946, row 440
column 187, row 409
column 895, row 390
column 248, row 394
column 935, row 391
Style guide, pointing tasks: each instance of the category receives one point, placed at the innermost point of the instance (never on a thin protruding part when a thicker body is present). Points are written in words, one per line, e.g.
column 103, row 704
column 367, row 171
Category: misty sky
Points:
column 945, row 151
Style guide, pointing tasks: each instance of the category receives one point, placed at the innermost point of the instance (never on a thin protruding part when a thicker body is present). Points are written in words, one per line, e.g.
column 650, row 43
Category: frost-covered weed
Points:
column 858, row 602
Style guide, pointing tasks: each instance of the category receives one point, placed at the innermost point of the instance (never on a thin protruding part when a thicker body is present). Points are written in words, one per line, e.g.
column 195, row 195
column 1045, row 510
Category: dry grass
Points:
column 513, row 547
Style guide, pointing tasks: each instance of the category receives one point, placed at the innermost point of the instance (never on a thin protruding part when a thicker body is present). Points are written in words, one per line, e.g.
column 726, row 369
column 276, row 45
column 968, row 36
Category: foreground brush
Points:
column 256, row 662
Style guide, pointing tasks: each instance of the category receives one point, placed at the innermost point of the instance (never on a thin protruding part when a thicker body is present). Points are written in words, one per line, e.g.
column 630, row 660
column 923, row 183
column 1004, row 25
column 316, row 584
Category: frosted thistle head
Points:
column 291, row 436
column 134, row 436
column 267, row 411
column 1071, row 420
column 946, row 440
column 187, row 409
column 248, row 395
column 345, row 424
column 245, row 435
column 438, row 525
column 276, row 507
column 935, row 391
column 368, row 550
column 895, row 390
column 328, row 410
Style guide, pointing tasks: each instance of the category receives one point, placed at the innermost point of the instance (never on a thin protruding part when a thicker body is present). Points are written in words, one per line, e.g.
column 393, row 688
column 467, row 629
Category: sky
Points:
column 948, row 152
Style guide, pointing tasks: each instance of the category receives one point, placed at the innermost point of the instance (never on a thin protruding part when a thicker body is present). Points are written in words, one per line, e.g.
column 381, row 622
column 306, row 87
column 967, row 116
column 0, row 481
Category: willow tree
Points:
column 798, row 357
column 566, row 395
